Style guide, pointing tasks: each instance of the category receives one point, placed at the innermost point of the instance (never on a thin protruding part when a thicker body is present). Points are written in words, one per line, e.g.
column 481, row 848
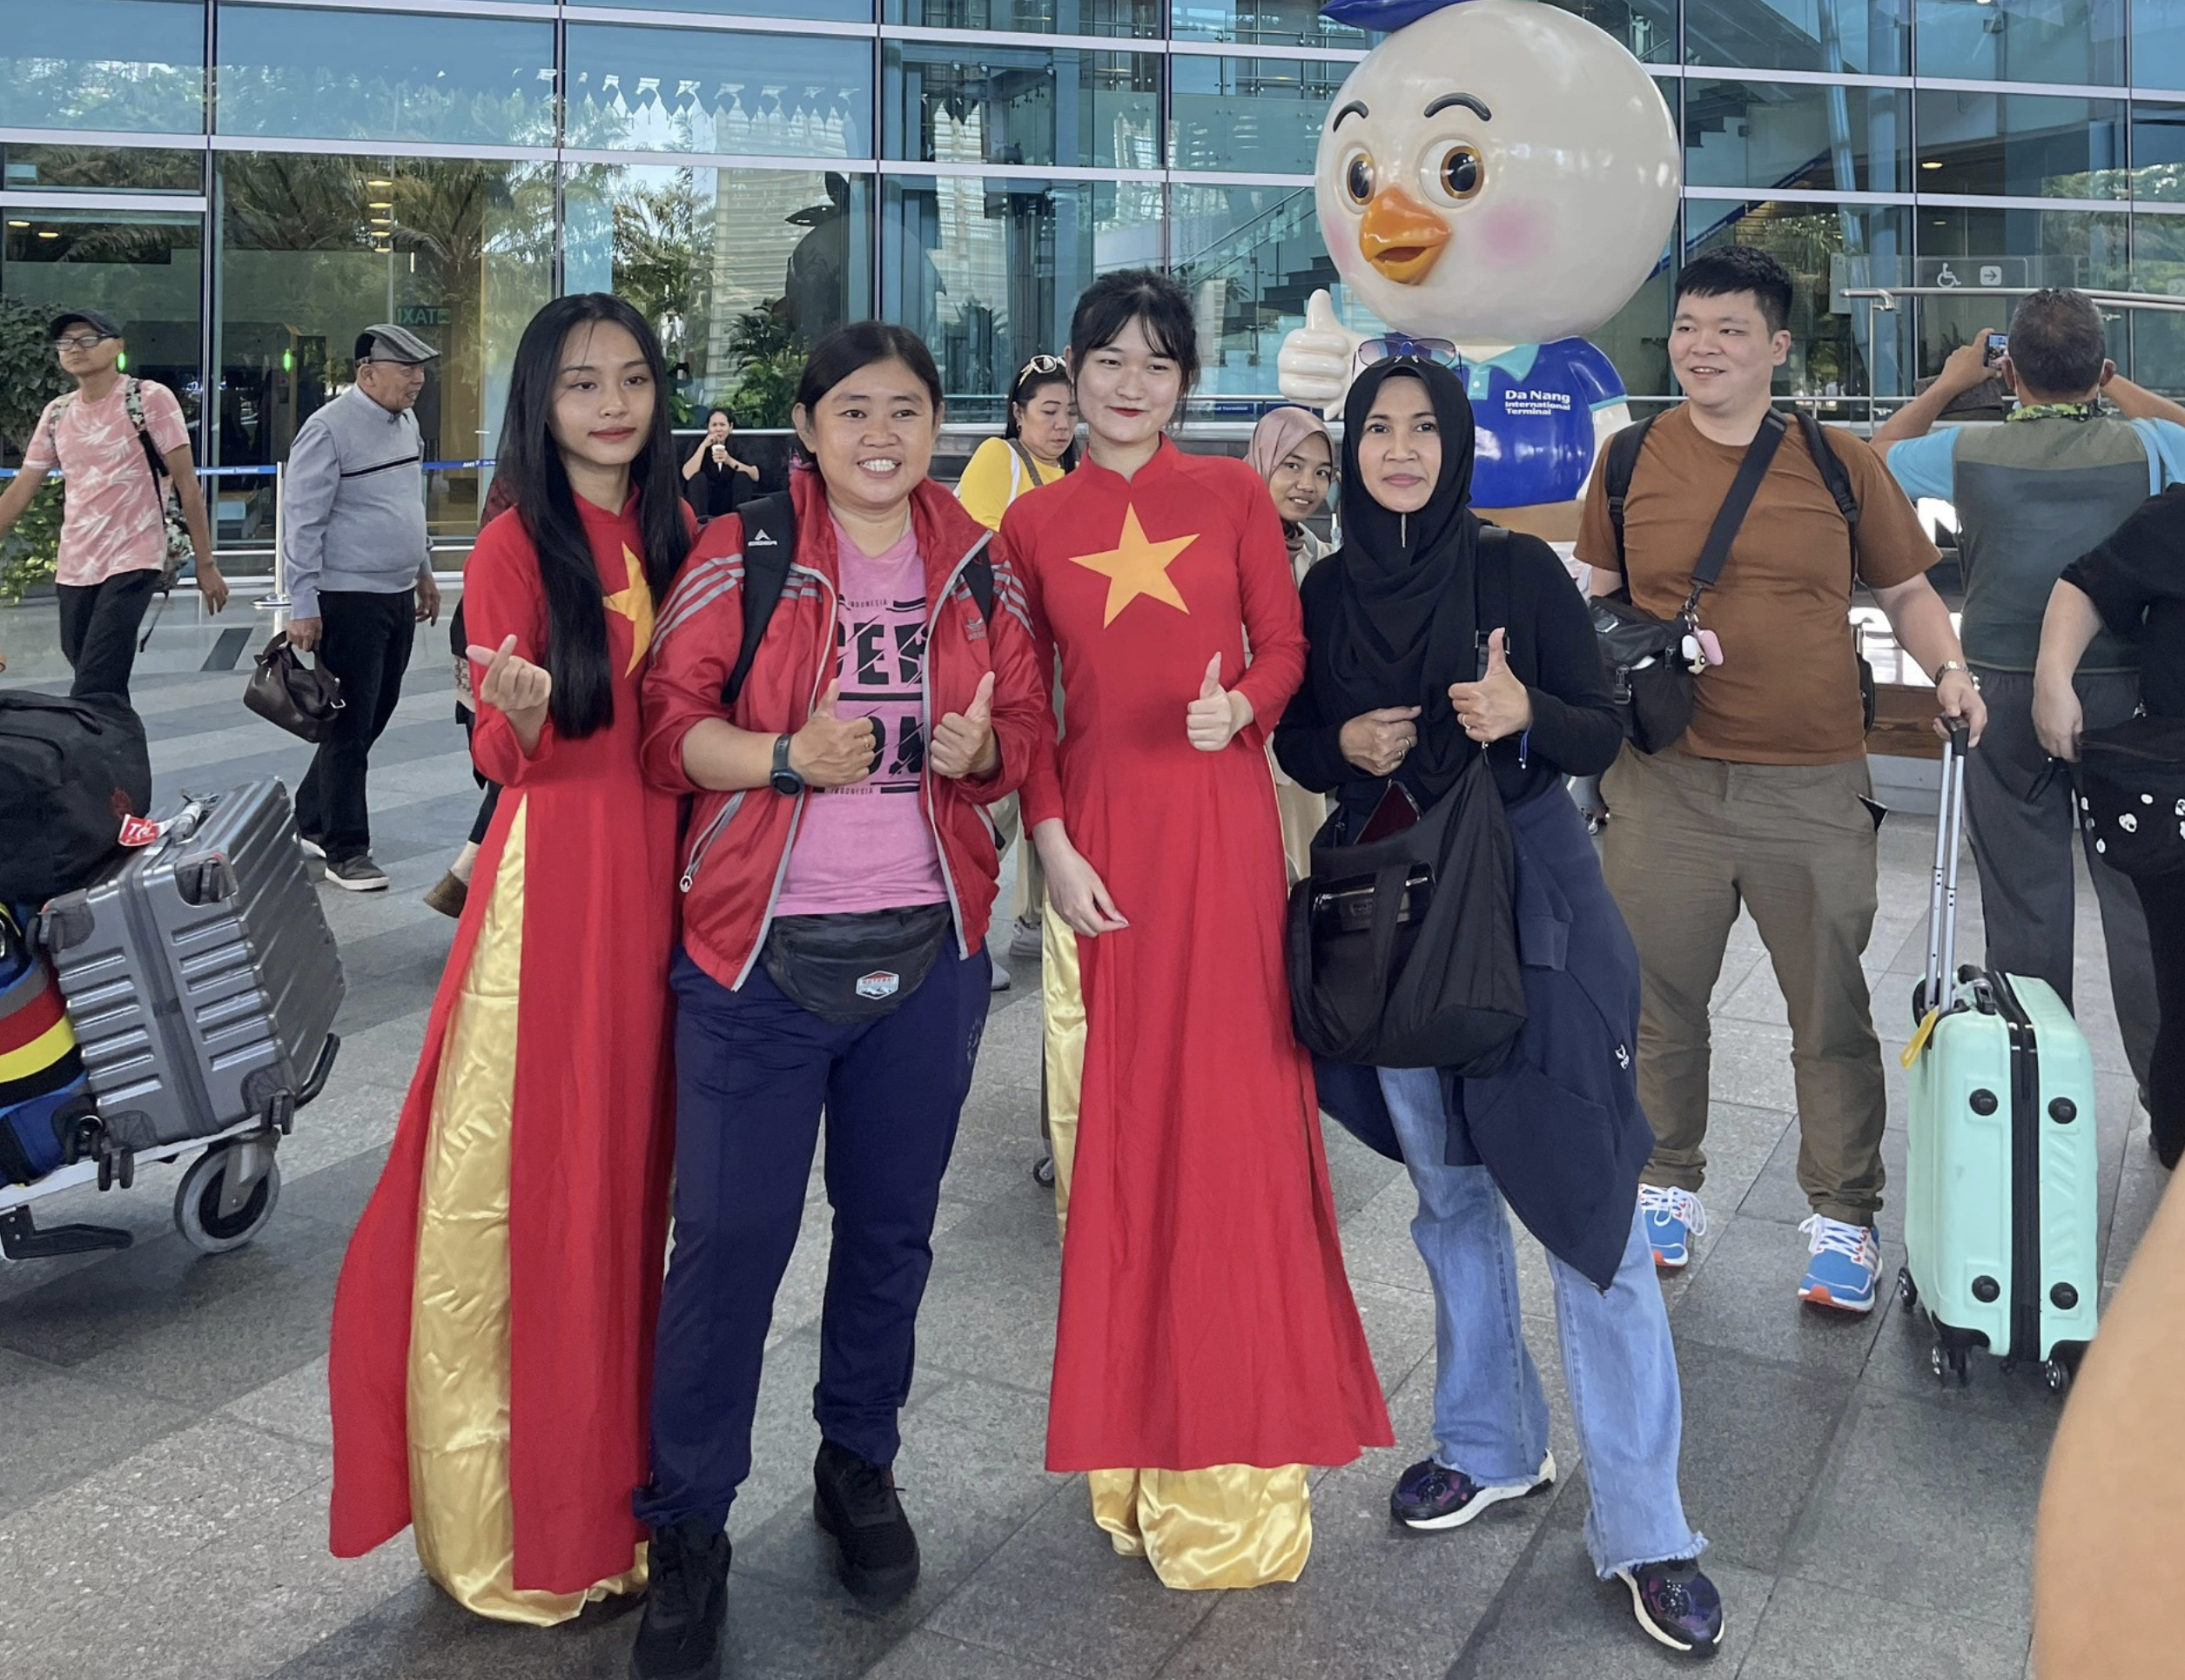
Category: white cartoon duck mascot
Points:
column 1495, row 178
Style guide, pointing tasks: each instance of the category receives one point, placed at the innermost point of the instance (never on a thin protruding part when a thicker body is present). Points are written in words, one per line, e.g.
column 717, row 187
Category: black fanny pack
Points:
column 2131, row 793
column 858, row 966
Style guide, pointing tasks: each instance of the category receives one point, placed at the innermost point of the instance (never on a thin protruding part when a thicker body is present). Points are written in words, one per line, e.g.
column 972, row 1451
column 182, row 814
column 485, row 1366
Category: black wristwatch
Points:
column 785, row 780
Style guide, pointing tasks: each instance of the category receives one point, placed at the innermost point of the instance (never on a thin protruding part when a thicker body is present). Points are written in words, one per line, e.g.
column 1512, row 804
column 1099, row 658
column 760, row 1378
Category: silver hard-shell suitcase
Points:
column 201, row 978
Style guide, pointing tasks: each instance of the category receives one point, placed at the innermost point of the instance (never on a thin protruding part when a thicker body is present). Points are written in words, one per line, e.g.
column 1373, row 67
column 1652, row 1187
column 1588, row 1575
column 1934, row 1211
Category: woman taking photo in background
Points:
column 493, row 1325
column 1291, row 449
column 1207, row 1348
column 1430, row 643
column 836, row 889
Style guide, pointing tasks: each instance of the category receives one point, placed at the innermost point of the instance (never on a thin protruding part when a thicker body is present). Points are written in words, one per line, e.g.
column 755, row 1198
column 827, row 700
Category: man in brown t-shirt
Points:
column 1765, row 803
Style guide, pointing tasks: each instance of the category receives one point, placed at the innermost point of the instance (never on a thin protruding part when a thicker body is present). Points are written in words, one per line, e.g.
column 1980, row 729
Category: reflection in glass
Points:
column 127, row 66
column 1037, row 105
column 832, row 11
column 1637, row 336
column 1867, row 37
column 652, row 90
column 987, row 271
column 2157, row 338
column 1262, row 23
column 141, row 268
column 315, row 249
column 2158, row 152
column 1796, row 134
column 1646, row 28
column 2020, row 144
column 1128, row 18
column 740, row 270
column 1827, row 248
column 1251, row 257
column 2078, row 42
column 101, row 169
column 2158, row 43
column 367, row 76
column 1257, row 116
column 2080, row 248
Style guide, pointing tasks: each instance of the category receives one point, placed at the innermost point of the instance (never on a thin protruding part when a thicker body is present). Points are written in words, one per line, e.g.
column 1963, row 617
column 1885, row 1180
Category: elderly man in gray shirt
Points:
column 358, row 567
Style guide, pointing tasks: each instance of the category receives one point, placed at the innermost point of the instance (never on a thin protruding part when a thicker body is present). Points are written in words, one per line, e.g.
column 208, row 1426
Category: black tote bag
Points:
column 1403, row 952
column 2130, row 781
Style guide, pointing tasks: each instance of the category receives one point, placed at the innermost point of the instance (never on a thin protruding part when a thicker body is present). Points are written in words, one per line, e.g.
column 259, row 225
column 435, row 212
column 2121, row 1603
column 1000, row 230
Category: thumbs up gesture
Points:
column 963, row 743
column 1212, row 721
column 1497, row 704
column 831, row 751
column 1314, row 365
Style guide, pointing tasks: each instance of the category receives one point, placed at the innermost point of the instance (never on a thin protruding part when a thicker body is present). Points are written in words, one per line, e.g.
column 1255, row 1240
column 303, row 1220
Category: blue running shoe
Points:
column 1676, row 1604
column 1430, row 1496
column 1673, row 1218
column 1846, row 1270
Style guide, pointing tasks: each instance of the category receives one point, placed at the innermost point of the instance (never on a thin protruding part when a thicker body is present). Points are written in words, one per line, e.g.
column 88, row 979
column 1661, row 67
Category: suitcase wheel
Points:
column 198, row 1213
column 2059, row 1376
column 1043, row 1172
column 1908, row 1291
column 1946, row 1357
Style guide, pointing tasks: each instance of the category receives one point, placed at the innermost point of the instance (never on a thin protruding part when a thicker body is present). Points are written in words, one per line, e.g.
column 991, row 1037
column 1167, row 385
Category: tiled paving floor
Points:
column 164, row 1438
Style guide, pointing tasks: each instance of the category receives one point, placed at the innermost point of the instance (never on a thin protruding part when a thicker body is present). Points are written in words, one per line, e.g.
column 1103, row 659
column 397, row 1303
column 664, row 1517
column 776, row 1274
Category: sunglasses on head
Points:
column 1041, row 364
column 1391, row 347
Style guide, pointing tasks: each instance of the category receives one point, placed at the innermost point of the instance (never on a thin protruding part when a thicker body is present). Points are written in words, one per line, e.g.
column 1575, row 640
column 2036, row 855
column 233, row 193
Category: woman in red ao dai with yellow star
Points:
column 1208, row 1349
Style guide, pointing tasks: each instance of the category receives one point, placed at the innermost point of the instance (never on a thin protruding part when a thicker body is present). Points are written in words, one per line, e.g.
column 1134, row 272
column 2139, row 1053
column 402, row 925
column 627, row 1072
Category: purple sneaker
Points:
column 1676, row 1605
column 1430, row 1496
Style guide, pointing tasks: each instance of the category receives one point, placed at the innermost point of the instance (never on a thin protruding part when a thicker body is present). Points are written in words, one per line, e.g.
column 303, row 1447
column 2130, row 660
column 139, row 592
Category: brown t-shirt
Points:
column 1787, row 689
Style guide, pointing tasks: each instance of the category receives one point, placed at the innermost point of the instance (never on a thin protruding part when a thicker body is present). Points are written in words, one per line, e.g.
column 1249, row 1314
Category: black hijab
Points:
column 1404, row 627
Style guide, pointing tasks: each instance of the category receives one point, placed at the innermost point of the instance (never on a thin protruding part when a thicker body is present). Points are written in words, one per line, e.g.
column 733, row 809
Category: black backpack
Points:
column 70, row 771
column 769, row 542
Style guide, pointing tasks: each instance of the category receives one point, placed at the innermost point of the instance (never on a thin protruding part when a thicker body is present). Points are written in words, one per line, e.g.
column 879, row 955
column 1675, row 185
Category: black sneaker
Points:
column 1676, row 1604
column 1430, row 1496
column 680, row 1637
column 357, row 873
column 856, row 1502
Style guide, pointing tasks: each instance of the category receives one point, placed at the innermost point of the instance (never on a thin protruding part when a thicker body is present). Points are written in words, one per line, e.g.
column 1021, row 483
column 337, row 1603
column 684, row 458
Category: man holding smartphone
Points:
column 2032, row 496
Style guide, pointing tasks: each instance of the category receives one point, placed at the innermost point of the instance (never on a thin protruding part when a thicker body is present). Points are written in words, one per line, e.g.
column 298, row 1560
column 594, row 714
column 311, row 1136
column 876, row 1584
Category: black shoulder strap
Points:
column 1760, row 455
column 770, row 539
column 1832, row 465
column 1491, row 588
column 1622, row 456
column 979, row 577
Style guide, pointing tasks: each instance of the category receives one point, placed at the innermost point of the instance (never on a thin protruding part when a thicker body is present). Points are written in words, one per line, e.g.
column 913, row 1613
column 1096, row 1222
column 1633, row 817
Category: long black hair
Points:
column 583, row 698
column 1113, row 301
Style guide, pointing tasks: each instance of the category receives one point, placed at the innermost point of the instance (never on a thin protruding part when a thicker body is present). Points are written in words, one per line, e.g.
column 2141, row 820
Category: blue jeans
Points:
column 1490, row 1418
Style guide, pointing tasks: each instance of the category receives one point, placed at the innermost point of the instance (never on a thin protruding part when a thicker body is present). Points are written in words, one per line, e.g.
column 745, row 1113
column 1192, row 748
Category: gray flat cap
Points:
column 387, row 342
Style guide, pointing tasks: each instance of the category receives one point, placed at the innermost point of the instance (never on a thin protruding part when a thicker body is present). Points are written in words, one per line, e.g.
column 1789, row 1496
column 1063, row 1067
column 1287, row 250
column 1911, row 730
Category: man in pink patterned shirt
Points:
column 113, row 530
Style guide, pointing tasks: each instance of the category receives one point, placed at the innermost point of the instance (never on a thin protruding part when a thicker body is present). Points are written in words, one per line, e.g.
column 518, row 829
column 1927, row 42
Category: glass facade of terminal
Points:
column 248, row 185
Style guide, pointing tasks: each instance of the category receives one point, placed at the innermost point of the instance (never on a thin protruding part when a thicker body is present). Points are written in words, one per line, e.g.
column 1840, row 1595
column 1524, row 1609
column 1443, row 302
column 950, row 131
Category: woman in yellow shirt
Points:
column 1037, row 445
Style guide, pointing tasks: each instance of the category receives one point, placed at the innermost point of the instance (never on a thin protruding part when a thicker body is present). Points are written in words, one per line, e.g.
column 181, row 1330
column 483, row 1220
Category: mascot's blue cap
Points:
column 1380, row 13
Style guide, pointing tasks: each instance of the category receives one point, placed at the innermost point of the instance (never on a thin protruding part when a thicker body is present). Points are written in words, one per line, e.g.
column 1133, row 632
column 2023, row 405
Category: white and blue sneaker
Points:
column 1846, row 1270
column 1673, row 1218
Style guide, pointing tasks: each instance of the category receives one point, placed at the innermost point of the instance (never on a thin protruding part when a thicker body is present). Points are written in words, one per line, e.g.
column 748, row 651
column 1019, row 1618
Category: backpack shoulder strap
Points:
column 1622, row 455
column 978, row 578
column 1831, row 467
column 1491, row 586
column 769, row 542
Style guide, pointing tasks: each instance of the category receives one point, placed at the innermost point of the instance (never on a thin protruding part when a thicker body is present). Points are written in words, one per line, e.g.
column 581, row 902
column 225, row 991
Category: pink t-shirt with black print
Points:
column 115, row 518
column 868, row 846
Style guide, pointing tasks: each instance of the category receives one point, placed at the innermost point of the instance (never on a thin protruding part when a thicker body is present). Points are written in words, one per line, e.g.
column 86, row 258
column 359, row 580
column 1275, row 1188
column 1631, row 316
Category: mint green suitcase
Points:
column 2000, row 1171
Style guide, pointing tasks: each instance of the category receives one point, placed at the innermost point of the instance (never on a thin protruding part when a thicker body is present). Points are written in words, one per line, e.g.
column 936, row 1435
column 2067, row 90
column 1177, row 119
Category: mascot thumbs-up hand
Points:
column 1314, row 366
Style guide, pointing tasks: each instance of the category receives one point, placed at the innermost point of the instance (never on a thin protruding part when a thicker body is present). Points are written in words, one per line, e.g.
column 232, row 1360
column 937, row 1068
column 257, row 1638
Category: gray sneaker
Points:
column 1025, row 939
column 356, row 874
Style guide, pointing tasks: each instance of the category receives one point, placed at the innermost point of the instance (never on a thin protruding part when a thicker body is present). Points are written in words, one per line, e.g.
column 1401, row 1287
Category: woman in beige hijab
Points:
column 1292, row 450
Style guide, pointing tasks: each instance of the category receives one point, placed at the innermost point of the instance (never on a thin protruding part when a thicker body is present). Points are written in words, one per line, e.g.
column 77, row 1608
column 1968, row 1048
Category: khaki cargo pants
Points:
column 1690, row 841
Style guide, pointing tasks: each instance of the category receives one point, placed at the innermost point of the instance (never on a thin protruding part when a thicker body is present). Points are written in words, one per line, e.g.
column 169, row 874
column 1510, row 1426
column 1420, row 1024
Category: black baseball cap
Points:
column 98, row 319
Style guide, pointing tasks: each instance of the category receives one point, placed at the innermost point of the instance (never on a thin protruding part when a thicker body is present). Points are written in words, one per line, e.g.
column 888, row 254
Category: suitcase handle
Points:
column 1940, row 984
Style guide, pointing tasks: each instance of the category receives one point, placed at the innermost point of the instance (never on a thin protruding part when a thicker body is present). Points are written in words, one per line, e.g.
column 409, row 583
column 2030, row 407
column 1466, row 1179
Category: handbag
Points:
column 2129, row 783
column 1653, row 663
column 302, row 699
column 858, row 966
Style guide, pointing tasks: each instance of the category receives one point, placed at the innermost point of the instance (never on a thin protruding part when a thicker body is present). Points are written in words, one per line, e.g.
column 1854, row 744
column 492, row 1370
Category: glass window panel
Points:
column 1795, row 134
column 1036, row 105
column 1834, row 352
column 1262, row 23
column 1251, row 257
column 315, row 249
column 2029, row 247
column 1138, row 19
column 1867, row 38
column 741, row 269
column 2071, row 41
column 101, row 169
column 2158, row 43
column 1637, row 336
column 2156, row 338
column 2019, row 145
column 371, row 76
column 2158, row 152
column 987, row 271
column 650, row 90
column 130, row 66
column 1257, row 115
column 141, row 268
column 829, row 11
column 1646, row 28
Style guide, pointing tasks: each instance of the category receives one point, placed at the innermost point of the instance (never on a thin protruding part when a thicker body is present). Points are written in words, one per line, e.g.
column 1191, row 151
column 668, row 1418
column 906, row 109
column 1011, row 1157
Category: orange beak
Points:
column 1401, row 238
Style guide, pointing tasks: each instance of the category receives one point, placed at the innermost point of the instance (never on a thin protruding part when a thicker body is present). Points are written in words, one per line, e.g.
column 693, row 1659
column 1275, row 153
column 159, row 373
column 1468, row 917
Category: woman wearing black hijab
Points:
column 1405, row 683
